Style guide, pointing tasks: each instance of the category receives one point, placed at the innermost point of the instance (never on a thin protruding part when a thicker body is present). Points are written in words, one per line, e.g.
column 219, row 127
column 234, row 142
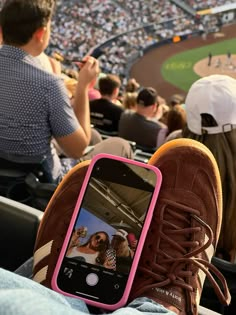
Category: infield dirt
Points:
column 147, row 70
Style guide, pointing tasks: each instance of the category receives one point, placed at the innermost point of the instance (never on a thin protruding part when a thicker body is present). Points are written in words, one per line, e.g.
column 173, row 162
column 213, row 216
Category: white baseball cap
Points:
column 214, row 95
column 121, row 233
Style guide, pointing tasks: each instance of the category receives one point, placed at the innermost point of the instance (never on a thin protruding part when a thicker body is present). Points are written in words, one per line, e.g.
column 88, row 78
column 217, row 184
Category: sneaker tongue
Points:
column 169, row 295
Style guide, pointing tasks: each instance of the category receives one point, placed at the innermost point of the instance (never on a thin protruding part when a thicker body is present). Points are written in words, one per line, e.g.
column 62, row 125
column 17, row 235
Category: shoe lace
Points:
column 178, row 270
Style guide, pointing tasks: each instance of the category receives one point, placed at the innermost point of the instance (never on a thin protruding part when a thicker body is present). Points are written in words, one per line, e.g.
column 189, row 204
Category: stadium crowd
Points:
column 207, row 4
column 59, row 127
column 80, row 26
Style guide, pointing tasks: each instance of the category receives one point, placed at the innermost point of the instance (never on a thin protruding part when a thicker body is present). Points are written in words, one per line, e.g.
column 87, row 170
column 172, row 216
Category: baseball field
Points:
column 173, row 68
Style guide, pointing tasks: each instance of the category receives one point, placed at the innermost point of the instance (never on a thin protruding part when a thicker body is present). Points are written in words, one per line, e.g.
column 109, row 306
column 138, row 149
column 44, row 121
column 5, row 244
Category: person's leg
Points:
column 95, row 137
column 22, row 296
column 26, row 269
column 113, row 145
column 19, row 295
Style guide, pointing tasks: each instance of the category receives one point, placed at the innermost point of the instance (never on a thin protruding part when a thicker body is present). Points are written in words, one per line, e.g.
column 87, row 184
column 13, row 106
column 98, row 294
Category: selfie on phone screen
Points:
column 106, row 233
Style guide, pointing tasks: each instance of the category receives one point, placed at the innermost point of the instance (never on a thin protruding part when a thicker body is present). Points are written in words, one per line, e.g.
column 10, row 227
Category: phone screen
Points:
column 106, row 232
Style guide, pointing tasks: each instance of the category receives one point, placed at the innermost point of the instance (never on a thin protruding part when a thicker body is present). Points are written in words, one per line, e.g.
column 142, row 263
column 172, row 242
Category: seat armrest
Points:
column 18, row 230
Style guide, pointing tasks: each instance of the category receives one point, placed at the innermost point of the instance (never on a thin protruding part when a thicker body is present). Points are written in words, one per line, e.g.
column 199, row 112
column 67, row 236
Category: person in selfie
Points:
column 93, row 251
column 79, row 233
column 35, row 104
column 124, row 254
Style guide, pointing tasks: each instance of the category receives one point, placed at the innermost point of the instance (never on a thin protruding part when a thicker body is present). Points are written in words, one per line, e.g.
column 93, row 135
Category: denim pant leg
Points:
column 143, row 306
column 26, row 269
column 22, row 296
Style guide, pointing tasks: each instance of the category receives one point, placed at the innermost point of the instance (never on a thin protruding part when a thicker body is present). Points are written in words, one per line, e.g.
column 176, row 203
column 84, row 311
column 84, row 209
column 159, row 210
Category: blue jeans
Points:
column 22, row 296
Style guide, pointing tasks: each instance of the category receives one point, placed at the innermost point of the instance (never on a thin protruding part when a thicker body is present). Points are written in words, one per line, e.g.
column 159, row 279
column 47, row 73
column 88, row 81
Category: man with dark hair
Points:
column 109, row 85
column 105, row 114
column 35, row 104
column 21, row 19
column 142, row 125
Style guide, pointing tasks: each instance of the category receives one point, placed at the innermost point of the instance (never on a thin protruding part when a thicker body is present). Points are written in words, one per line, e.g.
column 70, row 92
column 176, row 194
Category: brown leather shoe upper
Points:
column 185, row 228
column 55, row 223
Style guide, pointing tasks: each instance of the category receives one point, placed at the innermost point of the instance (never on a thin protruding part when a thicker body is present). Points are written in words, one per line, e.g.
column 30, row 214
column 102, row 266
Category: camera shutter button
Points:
column 92, row 279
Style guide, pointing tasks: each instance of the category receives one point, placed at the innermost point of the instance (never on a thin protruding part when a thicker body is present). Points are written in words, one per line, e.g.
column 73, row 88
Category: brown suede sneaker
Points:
column 55, row 223
column 185, row 229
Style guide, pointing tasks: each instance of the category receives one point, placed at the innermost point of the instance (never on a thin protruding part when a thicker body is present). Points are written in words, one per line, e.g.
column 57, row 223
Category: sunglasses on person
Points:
column 99, row 239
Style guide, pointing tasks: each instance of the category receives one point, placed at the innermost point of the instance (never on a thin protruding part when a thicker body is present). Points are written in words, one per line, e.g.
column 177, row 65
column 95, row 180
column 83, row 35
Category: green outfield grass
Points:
column 178, row 70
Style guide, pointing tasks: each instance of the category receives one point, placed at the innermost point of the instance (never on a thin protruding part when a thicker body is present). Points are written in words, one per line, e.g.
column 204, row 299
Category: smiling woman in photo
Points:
column 93, row 251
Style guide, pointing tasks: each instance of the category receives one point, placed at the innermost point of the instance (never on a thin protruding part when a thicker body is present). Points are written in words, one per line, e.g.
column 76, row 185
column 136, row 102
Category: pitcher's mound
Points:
column 220, row 64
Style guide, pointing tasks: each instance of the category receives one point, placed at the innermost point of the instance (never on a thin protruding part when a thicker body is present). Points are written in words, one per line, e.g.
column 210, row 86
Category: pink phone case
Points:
column 146, row 225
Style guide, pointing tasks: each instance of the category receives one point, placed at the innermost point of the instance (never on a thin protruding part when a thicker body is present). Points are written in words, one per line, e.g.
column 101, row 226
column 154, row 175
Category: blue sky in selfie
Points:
column 93, row 223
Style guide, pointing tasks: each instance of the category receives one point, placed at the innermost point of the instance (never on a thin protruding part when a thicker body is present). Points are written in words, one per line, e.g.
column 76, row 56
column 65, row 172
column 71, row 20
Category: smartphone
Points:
column 96, row 262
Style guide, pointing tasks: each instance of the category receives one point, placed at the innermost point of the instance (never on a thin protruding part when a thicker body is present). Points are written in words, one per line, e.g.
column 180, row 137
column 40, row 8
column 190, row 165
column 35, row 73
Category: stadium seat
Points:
column 209, row 298
column 150, row 150
column 142, row 156
column 18, row 228
column 25, row 183
column 40, row 193
column 106, row 133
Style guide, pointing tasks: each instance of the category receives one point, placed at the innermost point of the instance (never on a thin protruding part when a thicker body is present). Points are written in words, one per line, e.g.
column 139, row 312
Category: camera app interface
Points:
column 106, row 233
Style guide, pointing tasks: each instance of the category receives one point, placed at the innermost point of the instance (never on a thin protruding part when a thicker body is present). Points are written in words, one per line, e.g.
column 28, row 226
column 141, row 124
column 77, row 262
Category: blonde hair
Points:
column 70, row 86
column 121, row 246
column 129, row 100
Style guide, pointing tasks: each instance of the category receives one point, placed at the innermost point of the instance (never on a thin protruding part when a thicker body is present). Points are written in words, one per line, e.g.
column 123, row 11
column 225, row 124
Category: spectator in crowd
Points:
column 211, row 119
column 176, row 99
column 53, row 66
column 229, row 61
column 93, row 92
column 142, row 125
column 129, row 100
column 176, row 121
column 104, row 113
column 202, row 5
column 132, row 85
column 209, row 59
column 163, row 110
column 49, row 64
column 36, row 106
